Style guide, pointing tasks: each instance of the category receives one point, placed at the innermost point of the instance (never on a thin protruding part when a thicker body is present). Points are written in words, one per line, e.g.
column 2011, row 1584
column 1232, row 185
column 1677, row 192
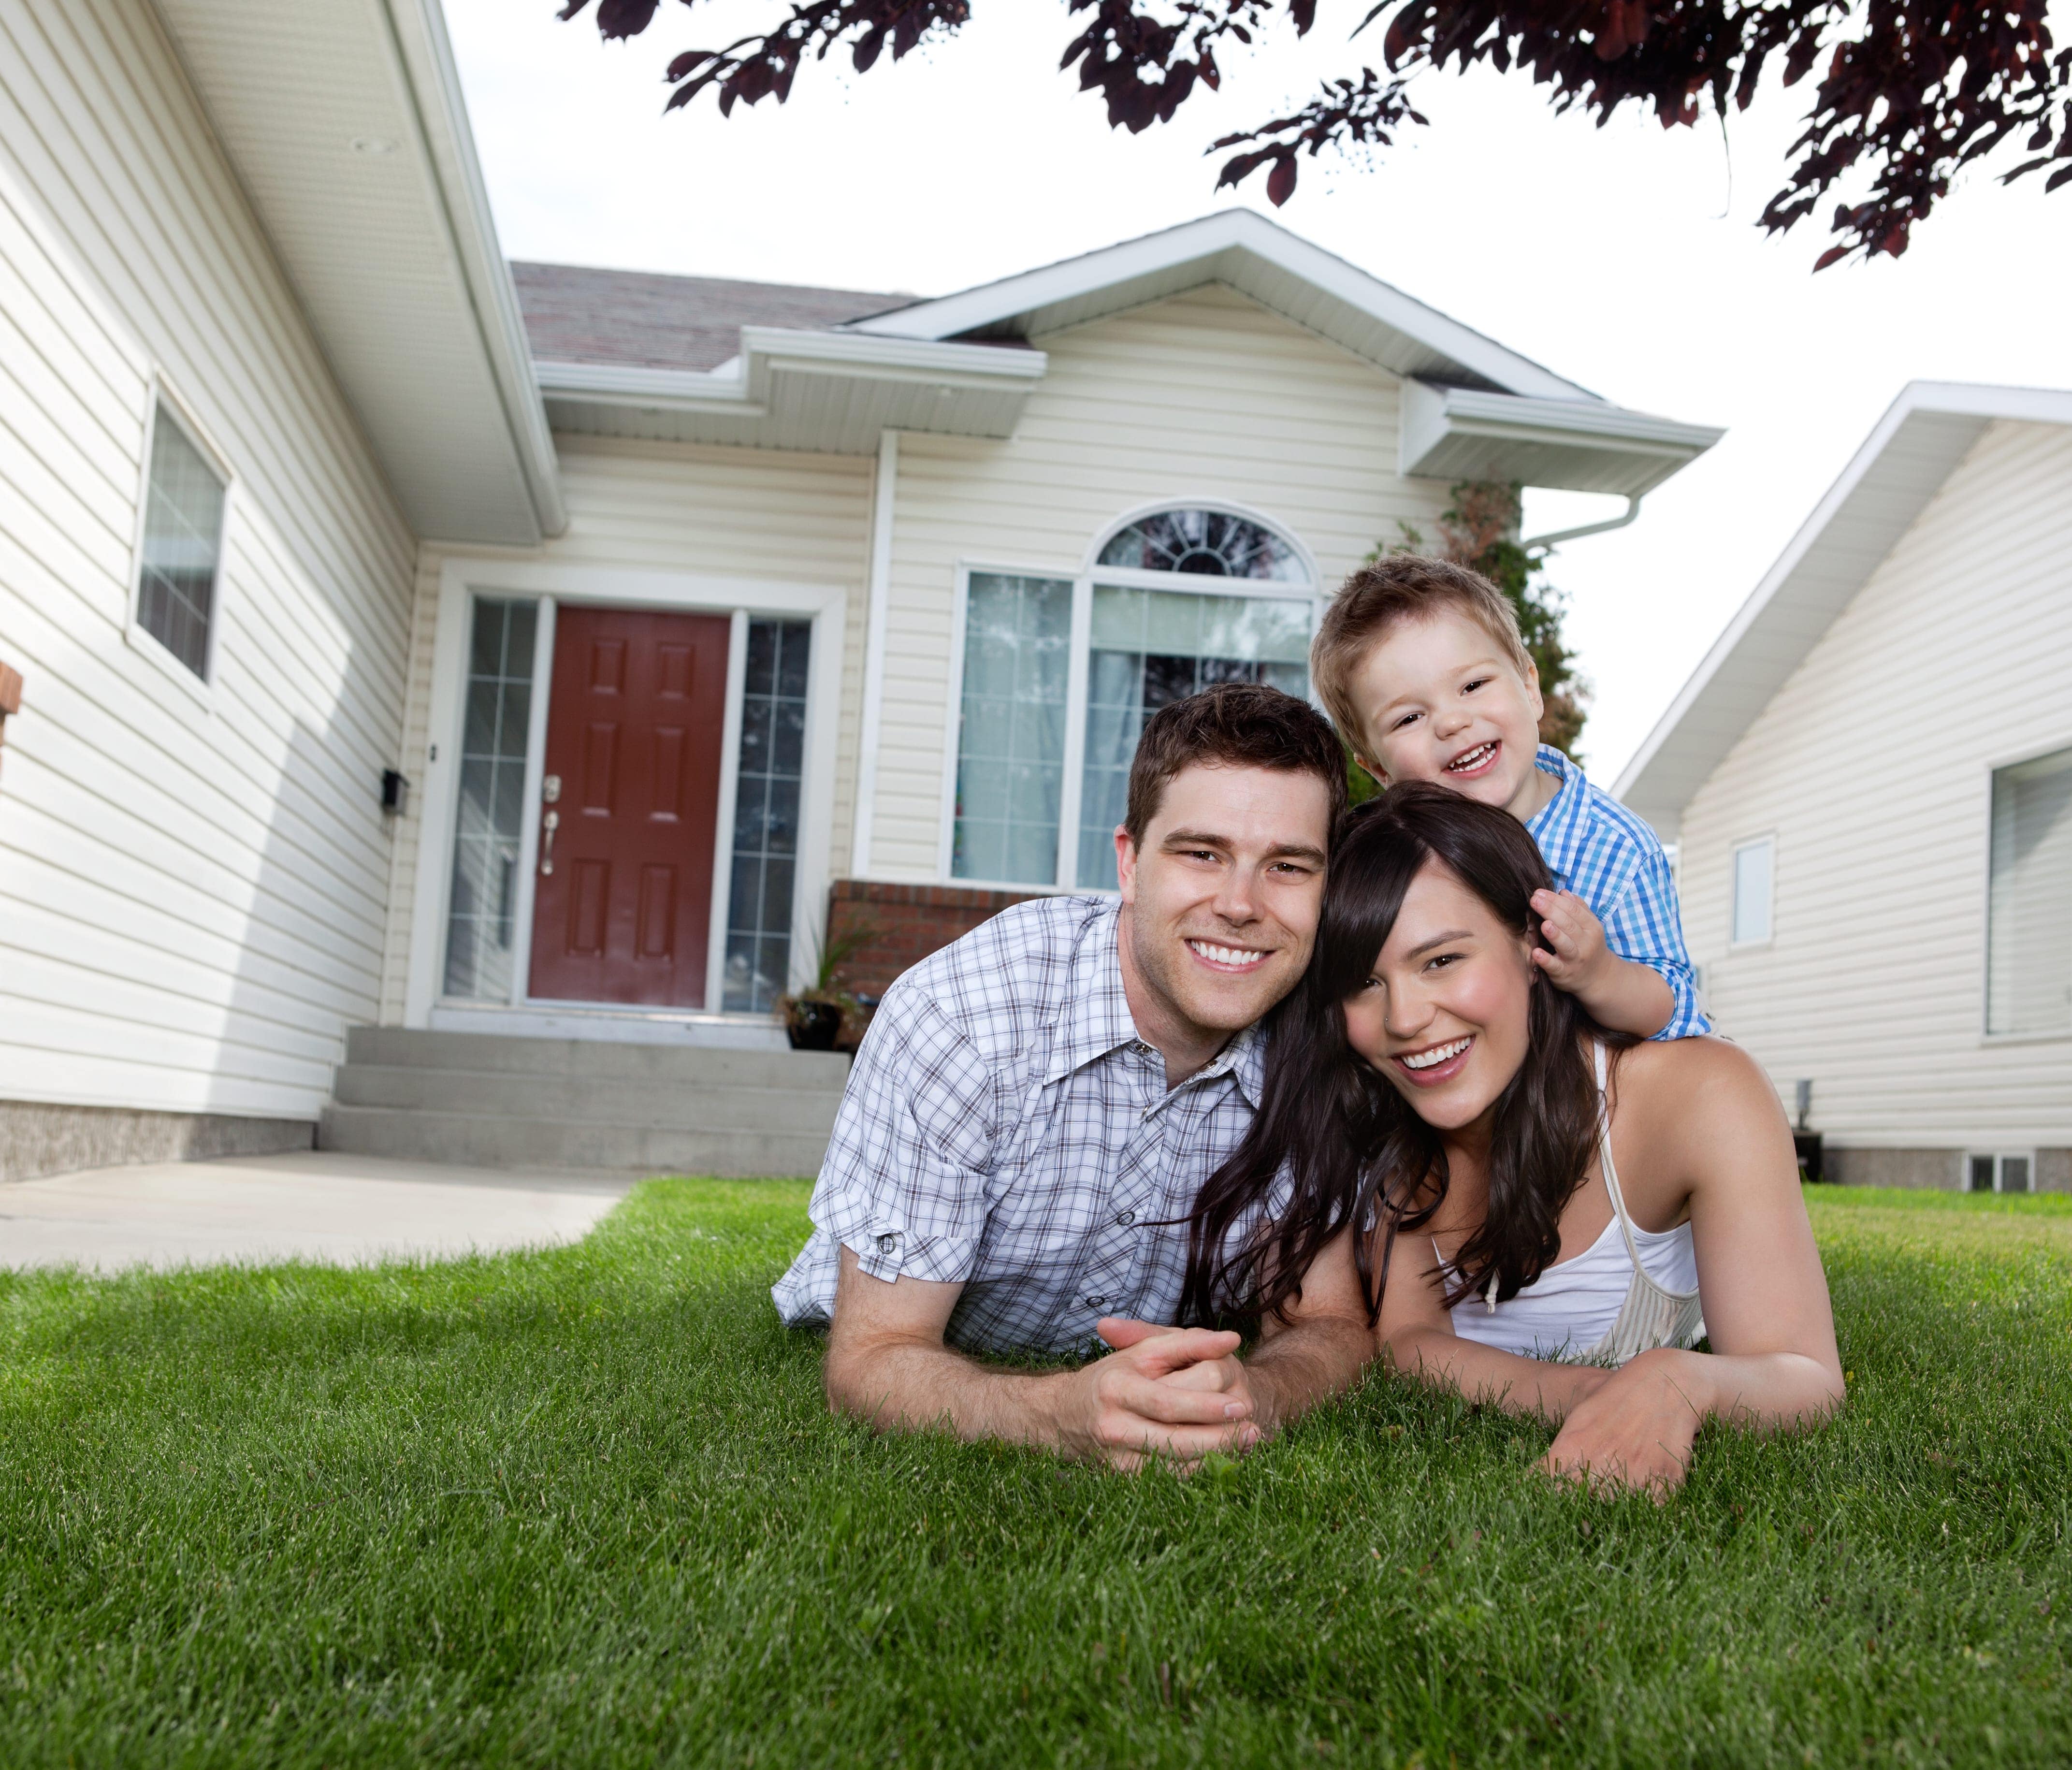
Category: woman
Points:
column 1541, row 1216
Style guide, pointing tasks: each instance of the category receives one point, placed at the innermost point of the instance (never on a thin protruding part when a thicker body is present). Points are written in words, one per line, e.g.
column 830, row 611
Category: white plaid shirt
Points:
column 1005, row 1128
column 1609, row 857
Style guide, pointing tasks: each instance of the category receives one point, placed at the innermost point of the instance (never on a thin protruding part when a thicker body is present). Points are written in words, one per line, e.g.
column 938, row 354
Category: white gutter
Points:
column 418, row 30
column 1547, row 543
column 886, row 492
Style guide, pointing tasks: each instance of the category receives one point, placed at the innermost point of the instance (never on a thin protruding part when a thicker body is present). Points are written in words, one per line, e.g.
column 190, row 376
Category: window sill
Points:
column 1995, row 1040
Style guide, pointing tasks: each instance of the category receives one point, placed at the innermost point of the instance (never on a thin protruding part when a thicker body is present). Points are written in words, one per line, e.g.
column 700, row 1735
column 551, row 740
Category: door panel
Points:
column 624, row 900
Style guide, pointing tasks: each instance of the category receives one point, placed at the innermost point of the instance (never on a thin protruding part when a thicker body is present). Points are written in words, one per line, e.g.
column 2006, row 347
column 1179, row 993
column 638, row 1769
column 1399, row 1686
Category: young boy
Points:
column 1421, row 666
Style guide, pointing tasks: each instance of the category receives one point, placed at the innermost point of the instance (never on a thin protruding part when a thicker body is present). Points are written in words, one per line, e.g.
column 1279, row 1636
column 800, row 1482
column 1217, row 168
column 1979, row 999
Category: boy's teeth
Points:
column 1438, row 1053
column 1225, row 955
column 1474, row 759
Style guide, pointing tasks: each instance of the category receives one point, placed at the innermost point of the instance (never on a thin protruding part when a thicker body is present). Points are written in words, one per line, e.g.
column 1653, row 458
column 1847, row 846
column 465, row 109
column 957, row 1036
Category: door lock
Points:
column 550, row 790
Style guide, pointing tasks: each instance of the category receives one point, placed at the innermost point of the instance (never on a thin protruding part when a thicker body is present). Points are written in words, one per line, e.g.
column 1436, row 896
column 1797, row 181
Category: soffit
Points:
column 1880, row 495
column 391, row 253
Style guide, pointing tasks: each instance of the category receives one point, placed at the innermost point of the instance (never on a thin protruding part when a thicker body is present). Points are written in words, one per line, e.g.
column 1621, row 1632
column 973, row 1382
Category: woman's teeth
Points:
column 1438, row 1053
column 1474, row 759
column 1236, row 956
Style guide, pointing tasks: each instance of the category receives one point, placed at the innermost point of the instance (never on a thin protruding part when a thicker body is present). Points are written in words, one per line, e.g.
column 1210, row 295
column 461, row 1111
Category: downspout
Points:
column 885, row 491
column 1544, row 543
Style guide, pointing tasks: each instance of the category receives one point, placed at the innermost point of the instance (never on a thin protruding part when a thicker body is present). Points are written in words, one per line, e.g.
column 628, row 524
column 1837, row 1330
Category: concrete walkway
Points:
column 311, row 1204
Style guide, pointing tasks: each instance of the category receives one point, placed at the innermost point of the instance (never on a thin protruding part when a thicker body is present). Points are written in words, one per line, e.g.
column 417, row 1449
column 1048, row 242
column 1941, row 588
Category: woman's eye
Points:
column 1440, row 959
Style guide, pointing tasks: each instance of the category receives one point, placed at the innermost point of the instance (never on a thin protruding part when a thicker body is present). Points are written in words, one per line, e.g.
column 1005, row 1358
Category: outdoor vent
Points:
column 395, row 792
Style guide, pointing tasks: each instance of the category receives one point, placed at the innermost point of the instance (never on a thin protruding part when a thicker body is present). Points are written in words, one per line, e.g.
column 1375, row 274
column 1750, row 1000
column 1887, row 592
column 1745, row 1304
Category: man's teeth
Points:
column 1474, row 757
column 1438, row 1053
column 1226, row 955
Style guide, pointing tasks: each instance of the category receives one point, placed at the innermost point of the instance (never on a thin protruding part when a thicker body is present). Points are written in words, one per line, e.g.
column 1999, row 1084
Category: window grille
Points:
column 182, row 546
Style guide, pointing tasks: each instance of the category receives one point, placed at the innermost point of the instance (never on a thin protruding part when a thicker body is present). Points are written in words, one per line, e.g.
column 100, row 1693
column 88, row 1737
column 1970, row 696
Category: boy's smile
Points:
column 1440, row 700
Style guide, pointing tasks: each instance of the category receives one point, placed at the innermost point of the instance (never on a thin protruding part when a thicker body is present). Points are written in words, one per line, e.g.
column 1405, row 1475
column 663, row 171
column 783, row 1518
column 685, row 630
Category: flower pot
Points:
column 813, row 1026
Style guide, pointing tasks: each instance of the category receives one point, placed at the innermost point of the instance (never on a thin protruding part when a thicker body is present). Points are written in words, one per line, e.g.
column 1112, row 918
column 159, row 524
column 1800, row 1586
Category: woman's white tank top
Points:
column 1630, row 1290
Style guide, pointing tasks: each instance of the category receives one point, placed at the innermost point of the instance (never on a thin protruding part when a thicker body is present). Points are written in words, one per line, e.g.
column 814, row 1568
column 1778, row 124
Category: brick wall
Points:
column 911, row 920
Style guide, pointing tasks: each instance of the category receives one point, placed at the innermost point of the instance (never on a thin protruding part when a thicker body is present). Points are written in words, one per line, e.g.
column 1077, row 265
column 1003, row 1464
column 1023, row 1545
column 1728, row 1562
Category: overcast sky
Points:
column 1623, row 258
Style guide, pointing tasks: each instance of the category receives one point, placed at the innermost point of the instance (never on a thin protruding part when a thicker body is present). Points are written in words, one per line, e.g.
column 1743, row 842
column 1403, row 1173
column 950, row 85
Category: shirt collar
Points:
column 1097, row 1017
column 1555, row 821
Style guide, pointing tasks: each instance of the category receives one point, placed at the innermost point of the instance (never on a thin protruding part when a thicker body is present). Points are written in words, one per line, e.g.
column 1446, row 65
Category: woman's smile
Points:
column 1431, row 1066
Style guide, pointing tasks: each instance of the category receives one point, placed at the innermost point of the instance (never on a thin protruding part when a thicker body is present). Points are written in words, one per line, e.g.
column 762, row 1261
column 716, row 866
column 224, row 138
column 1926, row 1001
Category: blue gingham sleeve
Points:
column 905, row 1183
column 1645, row 925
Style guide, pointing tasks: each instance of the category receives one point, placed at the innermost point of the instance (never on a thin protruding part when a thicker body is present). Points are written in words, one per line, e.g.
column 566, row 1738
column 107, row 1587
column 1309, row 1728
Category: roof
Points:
column 344, row 123
column 1892, row 478
column 634, row 318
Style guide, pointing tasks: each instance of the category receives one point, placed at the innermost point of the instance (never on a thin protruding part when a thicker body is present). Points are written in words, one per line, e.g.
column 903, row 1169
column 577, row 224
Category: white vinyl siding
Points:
column 191, row 887
column 1873, row 764
column 1205, row 398
column 746, row 514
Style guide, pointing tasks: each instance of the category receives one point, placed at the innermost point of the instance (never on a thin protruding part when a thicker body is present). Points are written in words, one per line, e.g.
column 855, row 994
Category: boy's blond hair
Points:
column 1383, row 596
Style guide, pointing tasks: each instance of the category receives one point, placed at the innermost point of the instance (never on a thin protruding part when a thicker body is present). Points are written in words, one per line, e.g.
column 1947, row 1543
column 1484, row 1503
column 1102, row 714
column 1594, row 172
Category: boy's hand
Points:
column 1580, row 958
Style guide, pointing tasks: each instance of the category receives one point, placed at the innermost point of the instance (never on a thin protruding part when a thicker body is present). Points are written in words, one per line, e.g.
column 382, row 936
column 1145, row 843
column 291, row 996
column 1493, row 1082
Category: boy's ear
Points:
column 1532, row 686
column 1375, row 768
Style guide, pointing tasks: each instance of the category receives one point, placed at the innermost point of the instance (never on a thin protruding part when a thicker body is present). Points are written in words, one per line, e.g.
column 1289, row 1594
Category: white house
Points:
column 1870, row 781
column 413, row 641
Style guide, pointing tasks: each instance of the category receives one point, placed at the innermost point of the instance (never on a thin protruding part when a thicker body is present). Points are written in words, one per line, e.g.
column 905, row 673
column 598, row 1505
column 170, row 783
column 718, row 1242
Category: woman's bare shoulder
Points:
column 1704, row 1083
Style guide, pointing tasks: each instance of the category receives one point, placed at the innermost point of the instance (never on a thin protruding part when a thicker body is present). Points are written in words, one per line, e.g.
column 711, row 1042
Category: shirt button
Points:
column 1139, row 1048
column 887, row 1243
column 1125, row 1218
column 1095, row 1302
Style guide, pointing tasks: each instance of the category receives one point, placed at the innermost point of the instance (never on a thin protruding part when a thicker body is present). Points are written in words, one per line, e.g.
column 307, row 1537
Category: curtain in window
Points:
column 1011, row 743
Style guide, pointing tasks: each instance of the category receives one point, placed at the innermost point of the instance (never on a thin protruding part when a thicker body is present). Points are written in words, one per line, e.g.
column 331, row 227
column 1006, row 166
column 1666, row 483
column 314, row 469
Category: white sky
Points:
column 1624, row 258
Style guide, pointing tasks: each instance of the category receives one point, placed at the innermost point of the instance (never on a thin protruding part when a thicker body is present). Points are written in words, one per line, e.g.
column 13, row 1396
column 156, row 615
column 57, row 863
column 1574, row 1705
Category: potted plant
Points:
column 813, row 1017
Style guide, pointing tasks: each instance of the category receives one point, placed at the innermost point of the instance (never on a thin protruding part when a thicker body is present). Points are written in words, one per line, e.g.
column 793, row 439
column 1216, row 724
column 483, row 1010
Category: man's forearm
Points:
column 1304, row 1364
column 1630, row 997
column 910, row 1386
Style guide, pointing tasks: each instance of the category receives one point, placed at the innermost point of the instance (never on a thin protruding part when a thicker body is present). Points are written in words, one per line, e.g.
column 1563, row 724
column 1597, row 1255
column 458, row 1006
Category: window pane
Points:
column 1752, row 885
column 1982, row 1173
column 2014, row 1173
column 1211, row 543
column 1150, row 648
column 2028, row 940
column 489, row 822
column 1011, row 732
column 183, row 545
column 766, row 817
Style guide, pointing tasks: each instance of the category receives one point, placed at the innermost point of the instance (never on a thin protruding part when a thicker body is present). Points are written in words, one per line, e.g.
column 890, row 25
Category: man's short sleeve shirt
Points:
column 1005, row 1127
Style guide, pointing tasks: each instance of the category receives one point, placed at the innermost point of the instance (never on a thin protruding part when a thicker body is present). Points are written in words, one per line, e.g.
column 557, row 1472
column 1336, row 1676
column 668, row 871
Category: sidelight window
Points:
column 766, row 814
column 1059, row 676
column 482, row 914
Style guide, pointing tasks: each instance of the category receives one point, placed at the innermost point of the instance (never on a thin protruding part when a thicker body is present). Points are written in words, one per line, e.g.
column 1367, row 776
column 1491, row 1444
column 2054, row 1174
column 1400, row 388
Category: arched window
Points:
column 1175, row 602
column 1205, row 543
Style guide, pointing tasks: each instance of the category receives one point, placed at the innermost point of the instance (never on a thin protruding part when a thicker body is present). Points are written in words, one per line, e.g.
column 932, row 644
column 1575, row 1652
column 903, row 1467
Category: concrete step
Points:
column 502, row 1140
column 649, row 1103
column 404, row 1047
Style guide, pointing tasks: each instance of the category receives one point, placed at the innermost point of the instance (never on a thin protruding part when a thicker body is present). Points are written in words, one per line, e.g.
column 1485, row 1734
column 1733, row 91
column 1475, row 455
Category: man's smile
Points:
column 1220, row 958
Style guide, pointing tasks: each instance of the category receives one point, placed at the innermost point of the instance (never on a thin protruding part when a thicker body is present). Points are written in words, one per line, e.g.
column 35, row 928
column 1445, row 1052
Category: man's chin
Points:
column 1233, row 1006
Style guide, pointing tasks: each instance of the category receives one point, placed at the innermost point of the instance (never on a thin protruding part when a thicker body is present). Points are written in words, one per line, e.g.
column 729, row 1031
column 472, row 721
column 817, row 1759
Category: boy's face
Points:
column 1440, row 700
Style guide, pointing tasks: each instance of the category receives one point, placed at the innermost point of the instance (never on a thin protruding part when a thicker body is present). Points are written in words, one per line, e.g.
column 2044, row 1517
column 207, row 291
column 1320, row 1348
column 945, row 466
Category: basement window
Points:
column 2029, row 910
column 2000, row 1173
column 182, row 543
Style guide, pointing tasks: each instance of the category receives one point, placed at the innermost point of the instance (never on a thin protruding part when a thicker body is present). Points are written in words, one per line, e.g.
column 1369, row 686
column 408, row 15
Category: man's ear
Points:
column 1125, row 864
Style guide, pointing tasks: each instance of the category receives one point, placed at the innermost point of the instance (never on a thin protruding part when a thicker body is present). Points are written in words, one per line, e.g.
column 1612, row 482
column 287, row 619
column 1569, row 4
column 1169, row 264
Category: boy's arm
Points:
column 1623, row 995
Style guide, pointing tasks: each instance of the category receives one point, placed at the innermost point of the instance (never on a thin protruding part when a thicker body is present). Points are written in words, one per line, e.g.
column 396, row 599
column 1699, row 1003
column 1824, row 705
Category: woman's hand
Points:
column 1635, row 1429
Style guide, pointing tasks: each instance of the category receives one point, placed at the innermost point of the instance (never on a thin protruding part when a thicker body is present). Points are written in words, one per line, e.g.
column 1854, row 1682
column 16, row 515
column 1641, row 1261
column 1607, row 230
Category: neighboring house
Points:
column 416, row 641
column 1869, row 779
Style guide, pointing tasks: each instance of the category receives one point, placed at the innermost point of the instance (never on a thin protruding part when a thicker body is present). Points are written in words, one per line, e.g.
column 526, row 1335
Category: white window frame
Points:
column 1999, row 1157
column 1078, row 666
column 1734, row 853
column 1994, row 765
column 139, row 637
column 461, row 581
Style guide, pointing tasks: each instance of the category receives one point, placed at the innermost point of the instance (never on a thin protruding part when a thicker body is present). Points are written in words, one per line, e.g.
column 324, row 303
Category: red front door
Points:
column 624, row 900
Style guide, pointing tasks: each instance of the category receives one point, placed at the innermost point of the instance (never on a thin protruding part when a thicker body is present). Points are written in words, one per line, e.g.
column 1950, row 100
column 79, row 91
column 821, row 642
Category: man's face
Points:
column 1440, row 700
column 1221, row 897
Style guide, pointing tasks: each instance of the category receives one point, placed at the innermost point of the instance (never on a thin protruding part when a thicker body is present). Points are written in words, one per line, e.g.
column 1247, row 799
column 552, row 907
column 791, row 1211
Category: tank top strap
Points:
column 1605, row 1163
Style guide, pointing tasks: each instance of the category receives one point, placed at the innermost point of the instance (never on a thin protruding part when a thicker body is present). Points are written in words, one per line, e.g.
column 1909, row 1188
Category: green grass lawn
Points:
column 586, row 1507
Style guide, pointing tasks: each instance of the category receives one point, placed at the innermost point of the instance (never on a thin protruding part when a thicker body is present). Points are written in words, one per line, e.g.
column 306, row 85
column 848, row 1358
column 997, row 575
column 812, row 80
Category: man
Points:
column 1036, row 1106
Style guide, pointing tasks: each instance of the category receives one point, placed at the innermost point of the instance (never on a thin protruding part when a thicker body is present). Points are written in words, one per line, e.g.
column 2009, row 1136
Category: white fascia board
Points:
column 1918, row 399
column 419, row 34
column 665, row 390
column 1431, row 414
column 1238, row 230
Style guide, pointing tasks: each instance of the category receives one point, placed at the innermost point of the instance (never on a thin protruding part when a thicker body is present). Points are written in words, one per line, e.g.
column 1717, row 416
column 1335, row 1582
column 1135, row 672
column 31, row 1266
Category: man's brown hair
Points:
column 1234, row 725
column 1380, row 597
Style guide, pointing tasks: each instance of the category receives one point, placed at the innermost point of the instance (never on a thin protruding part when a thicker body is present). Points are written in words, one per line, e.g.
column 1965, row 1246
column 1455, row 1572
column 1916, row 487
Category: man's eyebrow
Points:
column 1203, row 838
column 1440, row 939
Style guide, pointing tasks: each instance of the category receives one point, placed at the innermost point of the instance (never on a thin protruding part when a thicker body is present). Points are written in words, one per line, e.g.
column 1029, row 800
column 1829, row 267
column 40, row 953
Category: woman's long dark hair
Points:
column 1335, row 1143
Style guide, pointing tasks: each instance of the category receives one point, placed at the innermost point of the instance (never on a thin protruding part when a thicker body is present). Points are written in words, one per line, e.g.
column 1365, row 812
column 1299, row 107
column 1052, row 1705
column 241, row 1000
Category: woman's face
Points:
column 1445, row 1013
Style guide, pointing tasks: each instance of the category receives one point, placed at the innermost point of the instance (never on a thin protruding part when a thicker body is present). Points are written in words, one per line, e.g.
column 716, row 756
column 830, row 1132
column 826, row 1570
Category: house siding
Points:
column 751, row 514
column 1205, row 395
column 192, row 886
column 1872, row 766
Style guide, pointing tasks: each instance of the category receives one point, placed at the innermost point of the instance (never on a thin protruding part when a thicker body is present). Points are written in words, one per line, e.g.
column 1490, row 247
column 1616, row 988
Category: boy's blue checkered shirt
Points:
column 1609, row 858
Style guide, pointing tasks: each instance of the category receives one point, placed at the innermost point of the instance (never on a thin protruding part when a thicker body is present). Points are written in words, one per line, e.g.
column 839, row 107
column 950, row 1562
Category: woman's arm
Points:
column 1701, row 1108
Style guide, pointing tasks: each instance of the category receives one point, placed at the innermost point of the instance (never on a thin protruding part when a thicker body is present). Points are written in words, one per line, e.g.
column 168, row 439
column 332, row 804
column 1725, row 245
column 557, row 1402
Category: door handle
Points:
column 550, row 823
